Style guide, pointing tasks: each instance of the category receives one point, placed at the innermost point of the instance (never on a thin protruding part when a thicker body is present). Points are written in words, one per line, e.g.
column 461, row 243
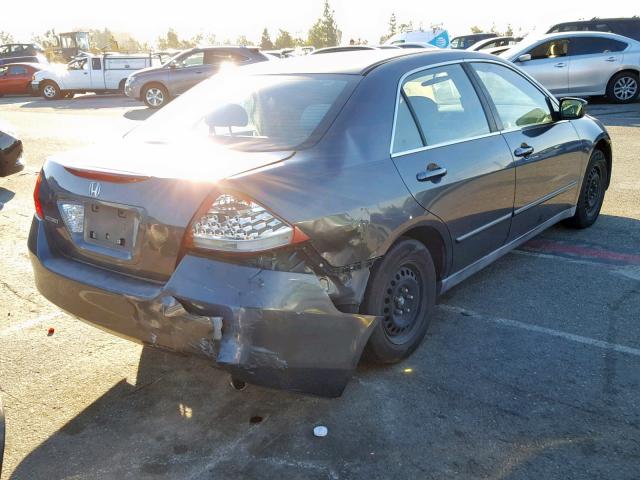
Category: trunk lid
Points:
column 127, row 208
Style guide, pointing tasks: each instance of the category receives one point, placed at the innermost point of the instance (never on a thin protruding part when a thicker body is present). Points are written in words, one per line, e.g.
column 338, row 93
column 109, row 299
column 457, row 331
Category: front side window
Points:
column 18, row 71
column 552, row 49
column 594, row 45
column 79, row 65
column 445, row 104
column 193, row 60
column 518, row 102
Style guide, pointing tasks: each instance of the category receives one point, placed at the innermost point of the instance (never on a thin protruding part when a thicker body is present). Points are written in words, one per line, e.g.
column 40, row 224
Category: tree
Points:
column 243, row 41
column 265, row 40
column 284, row 40
column 476, row 29
column 392, row 25
column 405, row 27
column 324, row 33
column 5, row 37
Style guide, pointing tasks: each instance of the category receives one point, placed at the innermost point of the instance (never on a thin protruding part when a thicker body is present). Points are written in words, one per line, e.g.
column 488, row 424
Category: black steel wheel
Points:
column 592, row 192
column 401, row 290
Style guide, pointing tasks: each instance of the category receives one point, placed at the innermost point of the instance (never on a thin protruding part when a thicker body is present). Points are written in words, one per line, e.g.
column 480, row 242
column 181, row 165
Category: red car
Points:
column 16, row 77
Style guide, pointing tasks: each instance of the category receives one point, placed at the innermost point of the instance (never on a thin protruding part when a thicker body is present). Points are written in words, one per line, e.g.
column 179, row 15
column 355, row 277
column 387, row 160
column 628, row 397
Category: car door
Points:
column 548, row 154
column 453, row 161
column 19, row 79
column 187, row 71
column 548, row 65
column 592, row 62
column 77, row 76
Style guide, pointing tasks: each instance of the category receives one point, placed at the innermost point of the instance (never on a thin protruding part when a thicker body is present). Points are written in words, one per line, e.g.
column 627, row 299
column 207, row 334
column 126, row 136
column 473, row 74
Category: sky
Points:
column 366, row 19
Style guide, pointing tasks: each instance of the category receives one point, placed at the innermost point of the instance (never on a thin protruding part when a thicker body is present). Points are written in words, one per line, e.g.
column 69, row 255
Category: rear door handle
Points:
column 432, row 172
column 523, row 150
column 560, row 65
column 610, row 59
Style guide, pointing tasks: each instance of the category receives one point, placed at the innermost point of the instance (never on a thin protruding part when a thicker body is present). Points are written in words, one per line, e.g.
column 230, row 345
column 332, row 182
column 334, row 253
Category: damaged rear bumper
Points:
column 272, row 328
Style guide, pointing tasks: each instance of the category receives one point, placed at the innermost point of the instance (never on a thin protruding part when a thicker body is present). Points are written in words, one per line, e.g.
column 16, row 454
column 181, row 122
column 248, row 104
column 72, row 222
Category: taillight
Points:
column 36, row 197
column 234, row 223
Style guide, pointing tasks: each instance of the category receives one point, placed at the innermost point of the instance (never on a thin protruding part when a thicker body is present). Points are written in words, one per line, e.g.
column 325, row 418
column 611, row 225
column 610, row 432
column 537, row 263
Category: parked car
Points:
column 437, row 37
column 11, row 151
column 156, row 86
column 582, row 64
column 88, row 73
column 414, row 45
column 279, row 218
column 497, row 50
column 494, row 42
column 15, row 78
column 627, row 27
column 465, row 41
column 342, row 49
column 21, row 53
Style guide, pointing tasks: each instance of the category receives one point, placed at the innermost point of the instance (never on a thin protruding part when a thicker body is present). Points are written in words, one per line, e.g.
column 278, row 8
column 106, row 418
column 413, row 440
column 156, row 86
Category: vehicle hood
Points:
column 198, row 160
column 148, row 71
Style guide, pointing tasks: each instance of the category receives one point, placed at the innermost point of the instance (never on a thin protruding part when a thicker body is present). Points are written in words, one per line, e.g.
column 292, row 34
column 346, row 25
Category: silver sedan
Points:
column 582, row 64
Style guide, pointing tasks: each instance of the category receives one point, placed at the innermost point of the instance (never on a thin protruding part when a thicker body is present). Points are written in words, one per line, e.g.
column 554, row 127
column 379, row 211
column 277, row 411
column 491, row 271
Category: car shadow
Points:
column 82, row 102
column 139, row 114
column 5, row 196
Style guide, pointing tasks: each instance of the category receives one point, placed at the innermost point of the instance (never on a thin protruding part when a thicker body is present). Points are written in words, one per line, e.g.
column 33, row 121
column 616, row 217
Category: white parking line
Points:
column 548, row 331
column 29, row 323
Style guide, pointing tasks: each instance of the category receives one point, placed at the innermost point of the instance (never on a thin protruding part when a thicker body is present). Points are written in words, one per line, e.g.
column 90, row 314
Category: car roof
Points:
column 582, row 33
column 357, row 62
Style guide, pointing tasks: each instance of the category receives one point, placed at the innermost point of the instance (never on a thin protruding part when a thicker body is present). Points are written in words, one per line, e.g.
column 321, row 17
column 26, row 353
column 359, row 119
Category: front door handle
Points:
column 560, row 65
column 432, row 172
column 523, row 150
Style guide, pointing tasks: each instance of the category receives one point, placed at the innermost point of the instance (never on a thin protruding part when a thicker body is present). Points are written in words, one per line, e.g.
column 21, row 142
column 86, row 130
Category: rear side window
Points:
column 518, row 102
column 406, row 135
column 18, row 71
column 96, row 64
column 552, row 49
column 594, row 45
column 445, row 104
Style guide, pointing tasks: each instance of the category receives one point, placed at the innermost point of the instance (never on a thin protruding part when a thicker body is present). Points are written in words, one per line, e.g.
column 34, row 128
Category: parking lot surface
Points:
column 529, row 370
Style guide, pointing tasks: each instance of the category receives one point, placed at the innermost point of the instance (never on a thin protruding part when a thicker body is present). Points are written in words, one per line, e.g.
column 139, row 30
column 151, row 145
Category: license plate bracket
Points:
column 110, row 227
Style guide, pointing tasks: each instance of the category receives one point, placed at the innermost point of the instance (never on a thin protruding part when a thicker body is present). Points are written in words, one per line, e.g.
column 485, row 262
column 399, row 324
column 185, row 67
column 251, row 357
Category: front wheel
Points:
column 155, row 96
column 591, row 193
column 401, row 290
column 50, row 91
column 623, row 87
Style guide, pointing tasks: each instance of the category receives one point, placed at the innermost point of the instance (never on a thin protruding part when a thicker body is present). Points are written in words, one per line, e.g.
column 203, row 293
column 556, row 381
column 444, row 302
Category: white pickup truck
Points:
column 91, row 73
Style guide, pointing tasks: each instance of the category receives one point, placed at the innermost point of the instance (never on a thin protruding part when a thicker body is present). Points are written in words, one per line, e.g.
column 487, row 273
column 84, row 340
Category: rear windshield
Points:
column 252, row 112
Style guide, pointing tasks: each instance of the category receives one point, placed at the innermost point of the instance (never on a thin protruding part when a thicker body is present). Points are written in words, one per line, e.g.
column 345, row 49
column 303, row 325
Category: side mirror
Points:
column 524, row 58
column 572, row 108
column 173, row 65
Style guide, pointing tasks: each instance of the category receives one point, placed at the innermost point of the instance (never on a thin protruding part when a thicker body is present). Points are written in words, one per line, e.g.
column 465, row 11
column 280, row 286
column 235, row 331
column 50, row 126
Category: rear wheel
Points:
column 591, row 193
column 402, row 290
column 623, row 87
column 155, row 96
column 50, row 91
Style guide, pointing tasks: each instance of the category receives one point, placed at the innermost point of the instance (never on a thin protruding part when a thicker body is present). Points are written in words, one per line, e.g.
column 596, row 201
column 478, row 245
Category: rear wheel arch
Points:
column 433, row 240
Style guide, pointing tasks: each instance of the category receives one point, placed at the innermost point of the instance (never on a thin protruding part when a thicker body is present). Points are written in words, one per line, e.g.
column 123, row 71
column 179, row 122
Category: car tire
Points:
column 50, row 91
column 155, row 95
column 121, row 86
column 401, row 290
column 623, row 87
column 592, row 192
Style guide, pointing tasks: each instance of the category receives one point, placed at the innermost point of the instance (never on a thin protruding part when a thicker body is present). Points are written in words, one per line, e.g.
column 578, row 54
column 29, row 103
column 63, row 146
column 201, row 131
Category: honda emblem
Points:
column 94, row 189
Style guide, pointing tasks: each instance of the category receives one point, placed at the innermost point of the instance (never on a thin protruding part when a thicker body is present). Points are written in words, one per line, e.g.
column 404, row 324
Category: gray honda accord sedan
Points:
column 287, row 219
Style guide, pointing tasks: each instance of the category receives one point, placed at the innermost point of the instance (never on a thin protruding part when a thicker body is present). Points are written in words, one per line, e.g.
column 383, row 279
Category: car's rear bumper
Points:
column 277, row 329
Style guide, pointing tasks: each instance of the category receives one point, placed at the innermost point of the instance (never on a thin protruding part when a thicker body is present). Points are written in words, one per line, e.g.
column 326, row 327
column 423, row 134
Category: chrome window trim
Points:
column 515, row 69
column 443, row 144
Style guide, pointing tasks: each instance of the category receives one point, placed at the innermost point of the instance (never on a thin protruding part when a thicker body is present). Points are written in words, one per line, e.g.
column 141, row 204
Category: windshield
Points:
column 251, row 112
